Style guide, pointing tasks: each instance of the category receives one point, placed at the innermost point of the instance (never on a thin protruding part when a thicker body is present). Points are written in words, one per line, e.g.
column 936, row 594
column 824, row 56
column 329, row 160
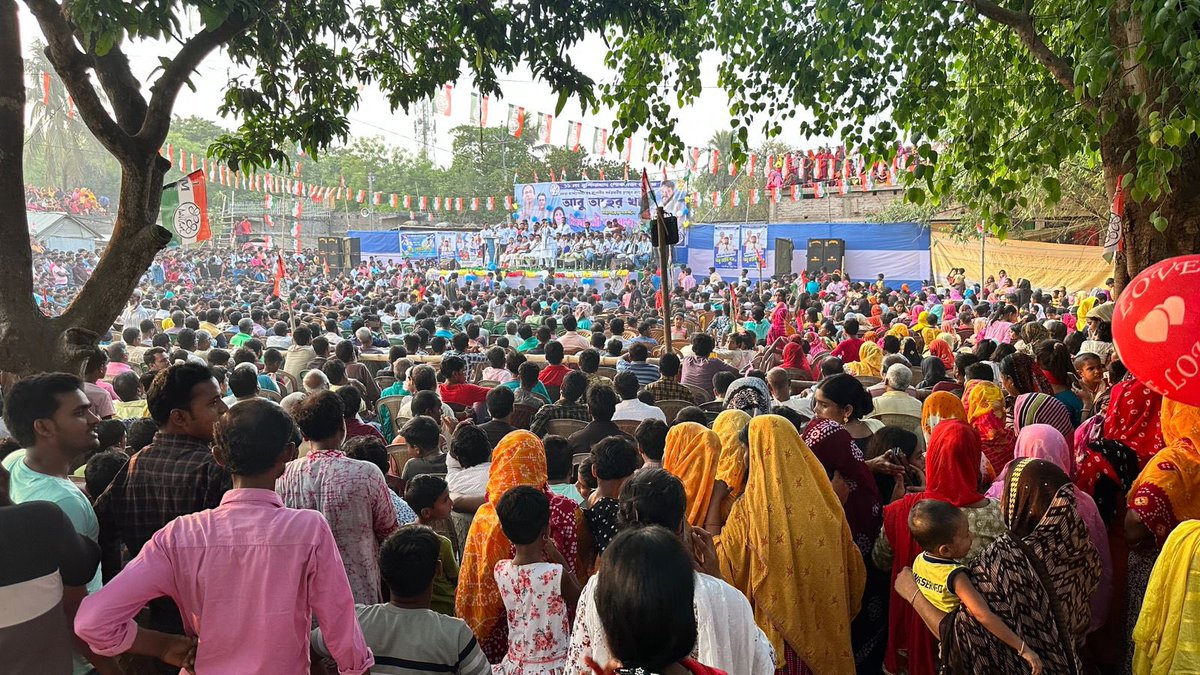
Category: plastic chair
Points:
column 521, row 416
column 564, row 427
column 392, row 404
column 671, row 407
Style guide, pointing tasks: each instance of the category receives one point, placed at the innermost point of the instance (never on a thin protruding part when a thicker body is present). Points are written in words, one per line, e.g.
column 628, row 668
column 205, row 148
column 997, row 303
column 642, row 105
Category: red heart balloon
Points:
column 1156, row 328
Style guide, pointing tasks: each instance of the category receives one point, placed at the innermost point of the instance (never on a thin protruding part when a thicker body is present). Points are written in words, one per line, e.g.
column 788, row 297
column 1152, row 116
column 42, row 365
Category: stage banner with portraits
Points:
column 470, row 249
column 418, row 245
column 754, row 246
column 589, row 205
column 447, row 247
column 726, row 243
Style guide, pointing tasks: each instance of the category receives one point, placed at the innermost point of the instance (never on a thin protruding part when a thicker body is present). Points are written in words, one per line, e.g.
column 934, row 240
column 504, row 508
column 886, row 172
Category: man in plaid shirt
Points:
column 173, row 476
column 668, row 387
column 566, row 408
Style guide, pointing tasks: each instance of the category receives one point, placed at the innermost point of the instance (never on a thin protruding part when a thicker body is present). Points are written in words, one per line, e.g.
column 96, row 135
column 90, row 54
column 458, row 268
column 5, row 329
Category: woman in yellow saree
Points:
column 787, row 547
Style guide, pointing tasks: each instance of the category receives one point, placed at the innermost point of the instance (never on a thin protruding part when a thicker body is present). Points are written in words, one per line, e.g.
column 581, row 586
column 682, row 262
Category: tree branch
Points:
column 1021, row 23
column 72, row 66
column 167, row 86
column 123, row 89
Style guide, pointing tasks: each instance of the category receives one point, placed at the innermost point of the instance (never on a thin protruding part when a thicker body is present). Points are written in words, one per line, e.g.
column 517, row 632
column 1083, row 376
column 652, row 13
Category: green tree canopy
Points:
column 997, row 95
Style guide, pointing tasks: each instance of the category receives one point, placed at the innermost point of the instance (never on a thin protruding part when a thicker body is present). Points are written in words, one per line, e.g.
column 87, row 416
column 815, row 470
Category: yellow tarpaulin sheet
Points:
column 1045, row 265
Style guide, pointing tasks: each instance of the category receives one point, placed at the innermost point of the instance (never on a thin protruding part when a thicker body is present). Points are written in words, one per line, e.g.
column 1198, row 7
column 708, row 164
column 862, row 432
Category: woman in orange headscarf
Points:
column 732, row 466
column 938, row 407
column 519, row 459
column 798, row 566
column 691, row 454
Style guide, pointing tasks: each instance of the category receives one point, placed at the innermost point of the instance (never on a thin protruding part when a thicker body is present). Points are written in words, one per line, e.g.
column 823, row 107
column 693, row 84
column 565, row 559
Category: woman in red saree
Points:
column 952, row 466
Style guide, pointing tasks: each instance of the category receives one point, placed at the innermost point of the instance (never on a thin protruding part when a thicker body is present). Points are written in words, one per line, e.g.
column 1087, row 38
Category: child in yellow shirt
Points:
column 942, row 531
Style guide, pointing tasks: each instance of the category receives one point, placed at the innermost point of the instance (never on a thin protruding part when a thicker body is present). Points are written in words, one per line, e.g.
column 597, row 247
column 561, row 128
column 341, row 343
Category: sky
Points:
column 373, row 117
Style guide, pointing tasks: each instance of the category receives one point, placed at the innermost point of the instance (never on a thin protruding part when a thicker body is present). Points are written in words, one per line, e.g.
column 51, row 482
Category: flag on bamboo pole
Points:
column 184, row 209
column 646, row 196
column 1114, row 240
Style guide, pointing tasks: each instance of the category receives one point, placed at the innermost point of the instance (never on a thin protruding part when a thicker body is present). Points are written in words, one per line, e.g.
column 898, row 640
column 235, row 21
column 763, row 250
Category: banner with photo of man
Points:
column 589, row 205
column 418, row 245
column 446, row 247
column 726, row 242
column 754, row 246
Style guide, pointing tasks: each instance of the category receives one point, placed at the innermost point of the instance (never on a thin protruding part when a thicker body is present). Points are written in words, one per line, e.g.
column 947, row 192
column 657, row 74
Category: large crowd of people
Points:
column 79, row 201
column 398, row 470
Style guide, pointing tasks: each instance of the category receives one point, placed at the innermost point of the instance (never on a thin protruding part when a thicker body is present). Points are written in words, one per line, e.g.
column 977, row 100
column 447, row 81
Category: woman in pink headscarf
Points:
column 779, row 318
column 1042, row 441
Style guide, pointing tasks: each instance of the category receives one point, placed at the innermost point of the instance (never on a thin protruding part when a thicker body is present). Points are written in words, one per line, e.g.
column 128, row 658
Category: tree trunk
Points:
column 30, row 341
column 1143, row 244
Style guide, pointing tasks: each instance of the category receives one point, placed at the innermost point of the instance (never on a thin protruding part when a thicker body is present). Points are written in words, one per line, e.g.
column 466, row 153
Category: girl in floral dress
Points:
column 539, row 593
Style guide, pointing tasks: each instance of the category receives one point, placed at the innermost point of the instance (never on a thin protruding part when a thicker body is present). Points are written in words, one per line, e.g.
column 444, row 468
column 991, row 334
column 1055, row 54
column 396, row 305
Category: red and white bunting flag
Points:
column 508, row 202
column 891, row 176
column 46, row 89
column 423, row 203
column 603, row 143
column 628, row 156
column 361, row 197
column 626, row 172
column 818, row 191
column 546, row 122
column 182, row 166
column 447, row 99
column 803, row 169
column 574, row 134
column 562, row 175
column 601, row 173
column 268, row 221
column 474, row 203
column 733, row 168
column 754, row 196
column 716, row 199
column 770, row 164
column 458, row 204
column 751, row 165
column 491, row 203
column 268, row 201
column 408, row 201
column 298, row 208
column 737, row 198
column 695, row 152
column 714, row 157
column 845, row 167
column 377, row 199
column 437, row 203
column 394, row 201
column 842, row 186
column 296, row 189
column 795, row 193
column 774, row 195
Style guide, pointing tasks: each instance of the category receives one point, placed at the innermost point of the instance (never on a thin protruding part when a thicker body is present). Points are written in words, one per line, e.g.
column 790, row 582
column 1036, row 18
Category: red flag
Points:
column 280, row 272
column 714, row 159
column 601, row 173
column 45, row 88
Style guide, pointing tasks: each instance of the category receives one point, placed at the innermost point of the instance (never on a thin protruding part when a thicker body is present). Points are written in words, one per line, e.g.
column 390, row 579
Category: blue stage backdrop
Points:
column 900, row 251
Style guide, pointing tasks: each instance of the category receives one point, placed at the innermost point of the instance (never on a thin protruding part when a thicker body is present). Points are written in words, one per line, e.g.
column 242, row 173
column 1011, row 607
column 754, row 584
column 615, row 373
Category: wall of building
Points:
column 853, row 207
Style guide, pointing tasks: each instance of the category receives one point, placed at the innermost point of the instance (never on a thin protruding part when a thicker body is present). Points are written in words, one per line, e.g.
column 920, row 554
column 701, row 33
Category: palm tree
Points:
column 70, row 156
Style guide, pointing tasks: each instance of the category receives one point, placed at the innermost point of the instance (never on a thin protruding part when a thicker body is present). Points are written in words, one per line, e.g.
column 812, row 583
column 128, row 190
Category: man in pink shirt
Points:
column 247, row 575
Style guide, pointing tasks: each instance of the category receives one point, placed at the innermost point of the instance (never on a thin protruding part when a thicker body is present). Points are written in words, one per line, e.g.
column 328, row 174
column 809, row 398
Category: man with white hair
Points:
column 896, row 399
column 365, row 339
column 315, row 381
column 877, row 390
